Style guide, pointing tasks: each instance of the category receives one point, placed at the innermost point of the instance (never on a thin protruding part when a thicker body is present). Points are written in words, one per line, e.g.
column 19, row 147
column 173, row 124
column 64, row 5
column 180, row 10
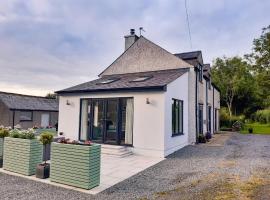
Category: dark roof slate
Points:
column 193, row 57
column 27, row 102
column 158, row 80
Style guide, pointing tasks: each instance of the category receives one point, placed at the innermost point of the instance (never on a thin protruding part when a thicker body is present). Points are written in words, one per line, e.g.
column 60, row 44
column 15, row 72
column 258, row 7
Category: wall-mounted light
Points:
column 147, row 101
column 68, row 103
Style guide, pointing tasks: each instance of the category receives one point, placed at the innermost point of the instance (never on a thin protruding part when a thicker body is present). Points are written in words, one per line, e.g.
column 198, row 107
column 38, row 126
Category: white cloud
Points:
column 48, row 45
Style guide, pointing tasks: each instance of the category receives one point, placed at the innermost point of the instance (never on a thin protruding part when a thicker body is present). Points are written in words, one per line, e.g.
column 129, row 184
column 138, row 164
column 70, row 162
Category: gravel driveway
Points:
column 231, row 166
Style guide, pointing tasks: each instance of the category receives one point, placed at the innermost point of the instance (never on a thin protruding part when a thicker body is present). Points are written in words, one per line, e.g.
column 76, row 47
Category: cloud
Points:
column 48, row 45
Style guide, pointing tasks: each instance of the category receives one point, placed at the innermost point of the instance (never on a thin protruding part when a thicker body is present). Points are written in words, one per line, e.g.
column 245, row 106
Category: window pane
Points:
column 177, row 116
column 85, row 109
column 25, row 116
column 180, row 117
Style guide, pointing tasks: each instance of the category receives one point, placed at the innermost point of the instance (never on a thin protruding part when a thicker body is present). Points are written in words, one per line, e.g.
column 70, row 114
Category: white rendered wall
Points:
column 217, row 105
column 210, row 103
column 192, row 104
column 148, row 126
column 178, row 89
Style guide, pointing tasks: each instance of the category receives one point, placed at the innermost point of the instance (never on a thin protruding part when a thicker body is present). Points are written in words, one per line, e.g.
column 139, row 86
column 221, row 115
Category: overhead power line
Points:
column 187, row 18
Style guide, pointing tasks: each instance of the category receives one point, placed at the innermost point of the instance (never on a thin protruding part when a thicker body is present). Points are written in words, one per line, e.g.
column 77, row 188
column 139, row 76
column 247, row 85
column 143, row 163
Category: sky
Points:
column 48, row 45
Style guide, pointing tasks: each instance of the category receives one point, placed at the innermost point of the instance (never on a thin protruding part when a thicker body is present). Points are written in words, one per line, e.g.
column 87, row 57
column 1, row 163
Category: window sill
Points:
column 177, row 134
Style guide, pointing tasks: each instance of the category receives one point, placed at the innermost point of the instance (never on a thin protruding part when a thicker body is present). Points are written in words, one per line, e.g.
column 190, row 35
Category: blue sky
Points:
column 47, row 45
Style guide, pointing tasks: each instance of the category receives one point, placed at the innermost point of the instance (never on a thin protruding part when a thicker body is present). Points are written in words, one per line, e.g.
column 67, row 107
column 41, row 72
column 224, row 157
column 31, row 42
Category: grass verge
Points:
column 257, row 128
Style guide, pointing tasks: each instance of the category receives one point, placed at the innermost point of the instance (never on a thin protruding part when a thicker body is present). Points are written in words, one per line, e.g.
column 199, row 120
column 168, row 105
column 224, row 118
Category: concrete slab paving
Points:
column 113, row 171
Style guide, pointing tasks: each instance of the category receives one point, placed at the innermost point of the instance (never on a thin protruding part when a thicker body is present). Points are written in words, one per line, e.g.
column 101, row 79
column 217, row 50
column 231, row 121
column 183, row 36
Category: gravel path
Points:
column 183, row 175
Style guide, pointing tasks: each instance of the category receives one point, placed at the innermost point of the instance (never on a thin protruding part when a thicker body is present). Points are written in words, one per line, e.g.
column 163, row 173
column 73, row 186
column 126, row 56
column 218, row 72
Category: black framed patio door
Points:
column 104, row 121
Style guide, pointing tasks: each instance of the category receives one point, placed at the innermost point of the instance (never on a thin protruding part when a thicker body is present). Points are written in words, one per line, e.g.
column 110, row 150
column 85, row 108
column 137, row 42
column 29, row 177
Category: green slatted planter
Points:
column 22, row 155
column 75, row 165
column 1, row 151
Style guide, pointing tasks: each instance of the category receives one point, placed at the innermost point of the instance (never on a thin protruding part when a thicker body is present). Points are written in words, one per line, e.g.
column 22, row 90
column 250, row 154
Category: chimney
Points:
column 130, row 39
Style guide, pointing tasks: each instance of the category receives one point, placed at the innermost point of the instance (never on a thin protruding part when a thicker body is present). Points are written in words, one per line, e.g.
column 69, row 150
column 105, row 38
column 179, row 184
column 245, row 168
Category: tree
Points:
column 260, row 62
column 233, row 78
column 51, row 96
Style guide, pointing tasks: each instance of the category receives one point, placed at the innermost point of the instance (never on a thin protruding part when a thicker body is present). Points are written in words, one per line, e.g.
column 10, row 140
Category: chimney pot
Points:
column 132, row 31
column 130, row 39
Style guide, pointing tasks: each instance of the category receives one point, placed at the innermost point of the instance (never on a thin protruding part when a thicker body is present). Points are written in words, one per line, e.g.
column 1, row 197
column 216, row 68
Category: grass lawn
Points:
column 50, row 130
column 257, row 128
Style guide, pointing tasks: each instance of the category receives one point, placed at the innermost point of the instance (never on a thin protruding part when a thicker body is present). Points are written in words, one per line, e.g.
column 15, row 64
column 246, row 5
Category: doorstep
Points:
column 113, row 171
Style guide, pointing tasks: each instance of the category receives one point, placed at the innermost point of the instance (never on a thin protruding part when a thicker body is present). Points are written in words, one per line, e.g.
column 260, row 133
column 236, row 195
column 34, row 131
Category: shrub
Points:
column 24, row 134
column 201, row 138
column 46, row 138
column 225, row 120
column 4, row 133
column 208, row 136
column 262, row 116
column 15, row 133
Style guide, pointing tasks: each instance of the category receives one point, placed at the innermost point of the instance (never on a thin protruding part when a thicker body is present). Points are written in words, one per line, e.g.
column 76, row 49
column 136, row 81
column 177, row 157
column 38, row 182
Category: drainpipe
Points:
column 214, row 117
column 196, row 103
column 13, row 119
column 206, row 98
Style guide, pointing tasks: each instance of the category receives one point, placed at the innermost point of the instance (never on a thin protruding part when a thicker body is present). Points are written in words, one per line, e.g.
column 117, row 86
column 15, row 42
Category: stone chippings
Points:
column 240, row 155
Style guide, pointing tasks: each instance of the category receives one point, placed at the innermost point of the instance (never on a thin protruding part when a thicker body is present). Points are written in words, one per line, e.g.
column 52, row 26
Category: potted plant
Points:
column 22, row 152
column 208, row 136
column 201, row 138
column 75, row 163
column 3, row 133
column 43, row 169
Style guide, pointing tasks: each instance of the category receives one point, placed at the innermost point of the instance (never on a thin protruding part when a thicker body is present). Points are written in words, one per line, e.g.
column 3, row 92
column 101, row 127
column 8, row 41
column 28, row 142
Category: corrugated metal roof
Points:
column 27, row 102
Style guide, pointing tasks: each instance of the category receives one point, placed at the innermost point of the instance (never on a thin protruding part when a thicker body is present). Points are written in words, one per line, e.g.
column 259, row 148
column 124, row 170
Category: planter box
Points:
column 75, row 165
column 22, row 155
column 1, row 151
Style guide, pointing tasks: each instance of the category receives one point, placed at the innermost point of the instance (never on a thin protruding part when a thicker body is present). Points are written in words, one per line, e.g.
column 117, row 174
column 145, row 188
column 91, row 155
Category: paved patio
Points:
column 113, row 170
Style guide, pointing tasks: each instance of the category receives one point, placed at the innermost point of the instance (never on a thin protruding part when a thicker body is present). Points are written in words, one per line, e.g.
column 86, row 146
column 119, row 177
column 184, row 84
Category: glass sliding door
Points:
column 85, row 119
column 126, row 121
column 97, row 121
column 111, row 121
column 107, row 121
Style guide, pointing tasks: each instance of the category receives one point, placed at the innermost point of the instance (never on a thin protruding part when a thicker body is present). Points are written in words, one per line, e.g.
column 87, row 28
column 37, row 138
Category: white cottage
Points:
column 148, row 100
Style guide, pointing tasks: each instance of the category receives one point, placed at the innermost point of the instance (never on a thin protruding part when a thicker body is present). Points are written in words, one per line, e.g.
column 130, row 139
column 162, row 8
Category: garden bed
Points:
column 75, row 165
column 22, row 155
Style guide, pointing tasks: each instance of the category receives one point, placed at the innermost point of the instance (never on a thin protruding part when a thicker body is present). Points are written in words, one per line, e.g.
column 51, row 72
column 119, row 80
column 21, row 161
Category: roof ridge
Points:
column 24, row 95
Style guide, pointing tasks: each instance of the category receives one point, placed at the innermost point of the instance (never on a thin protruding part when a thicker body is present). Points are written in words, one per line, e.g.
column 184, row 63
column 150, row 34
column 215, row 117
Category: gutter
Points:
column 136, row 89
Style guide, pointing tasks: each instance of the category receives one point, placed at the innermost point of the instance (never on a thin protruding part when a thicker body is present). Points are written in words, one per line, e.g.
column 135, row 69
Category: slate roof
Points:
column 158, row 81
column 27, row 102
column 142, row 56
column 193, row 57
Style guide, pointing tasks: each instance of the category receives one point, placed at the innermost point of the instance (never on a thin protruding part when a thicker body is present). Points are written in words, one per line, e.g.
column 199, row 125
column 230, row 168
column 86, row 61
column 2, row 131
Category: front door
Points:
column 45, row 120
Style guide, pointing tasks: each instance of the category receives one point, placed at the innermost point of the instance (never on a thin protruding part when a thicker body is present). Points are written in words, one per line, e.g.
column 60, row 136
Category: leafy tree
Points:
column 51, row 96
column 235, row 81
column 260, row 62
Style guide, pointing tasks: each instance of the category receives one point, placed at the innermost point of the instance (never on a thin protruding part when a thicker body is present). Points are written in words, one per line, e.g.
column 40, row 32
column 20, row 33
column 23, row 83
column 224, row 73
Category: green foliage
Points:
column 51, row 96
column 4, row 133
column 257, row 128
column 23, row 134
column 235, row 81
column 46, row 138
column 15, row 133
column 260, row 61
column 262, row 116
column 227, row 121
column 245, row 82
column 201, row 138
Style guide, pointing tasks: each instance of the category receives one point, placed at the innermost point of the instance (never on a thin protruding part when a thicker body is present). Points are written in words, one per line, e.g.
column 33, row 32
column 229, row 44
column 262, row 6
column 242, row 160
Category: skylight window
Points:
column 141, row 78
column 107, row 81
